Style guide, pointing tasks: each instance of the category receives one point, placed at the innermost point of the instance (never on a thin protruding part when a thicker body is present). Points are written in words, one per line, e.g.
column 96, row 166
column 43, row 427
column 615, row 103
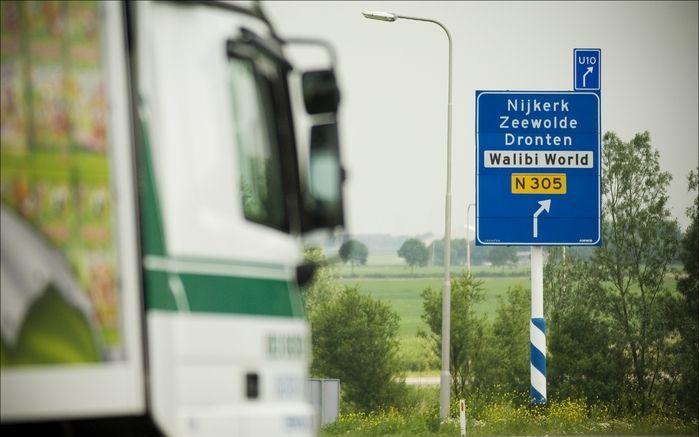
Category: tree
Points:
column 355, row 340
column 583, row 362
column 457, row 249
column 511, row 340
column 502, row 255
column 354, row 251
column 458, row 252
column 467, row 329
column 414, row 252
column 325, row 284
column 639, row 244
column 479, row 254
column 685, row 313
column 585, row 359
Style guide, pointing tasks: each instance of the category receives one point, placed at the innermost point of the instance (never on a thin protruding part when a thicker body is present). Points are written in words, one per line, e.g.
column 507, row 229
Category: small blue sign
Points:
column 587, row 65
column 538, row 168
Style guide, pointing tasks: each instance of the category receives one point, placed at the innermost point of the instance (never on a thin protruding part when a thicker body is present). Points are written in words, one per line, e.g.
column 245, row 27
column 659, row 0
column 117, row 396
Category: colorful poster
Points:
column 55, row 186
column 54, row 215
column 12, row 63
column 88, row 110
column 46, row 24
column 86, row 97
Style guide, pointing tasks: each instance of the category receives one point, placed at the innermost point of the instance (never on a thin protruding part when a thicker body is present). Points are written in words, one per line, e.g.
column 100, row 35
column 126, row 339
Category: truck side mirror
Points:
column 323, row 202
column 320, row 92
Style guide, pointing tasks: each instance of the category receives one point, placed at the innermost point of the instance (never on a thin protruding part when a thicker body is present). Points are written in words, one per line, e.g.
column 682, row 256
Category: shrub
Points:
column 355, row 340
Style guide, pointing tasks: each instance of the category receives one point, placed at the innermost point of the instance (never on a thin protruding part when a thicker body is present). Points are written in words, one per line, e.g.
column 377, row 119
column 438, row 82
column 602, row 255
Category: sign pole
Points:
column 537, row 328
column 538, row 183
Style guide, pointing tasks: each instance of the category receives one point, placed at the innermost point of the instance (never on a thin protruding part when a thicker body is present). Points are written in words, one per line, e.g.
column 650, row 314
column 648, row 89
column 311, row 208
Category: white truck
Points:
column 154, row 194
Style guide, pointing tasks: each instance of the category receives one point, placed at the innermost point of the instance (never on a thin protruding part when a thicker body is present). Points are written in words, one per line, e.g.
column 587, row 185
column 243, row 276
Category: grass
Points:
column 489, row 415
column 395, row 285
column 403, row 294
column 415, row 357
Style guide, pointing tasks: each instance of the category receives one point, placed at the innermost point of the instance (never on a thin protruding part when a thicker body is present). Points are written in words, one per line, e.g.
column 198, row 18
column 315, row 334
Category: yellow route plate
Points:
column 538, row 183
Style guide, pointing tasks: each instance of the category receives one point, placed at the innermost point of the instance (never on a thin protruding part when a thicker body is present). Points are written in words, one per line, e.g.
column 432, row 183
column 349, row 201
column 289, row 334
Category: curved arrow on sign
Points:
column 545, row 206
column 584, row 78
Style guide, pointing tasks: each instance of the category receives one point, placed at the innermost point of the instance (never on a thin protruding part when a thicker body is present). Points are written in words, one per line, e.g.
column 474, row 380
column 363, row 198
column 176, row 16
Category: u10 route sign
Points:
column 538, row 168
column 586, row 69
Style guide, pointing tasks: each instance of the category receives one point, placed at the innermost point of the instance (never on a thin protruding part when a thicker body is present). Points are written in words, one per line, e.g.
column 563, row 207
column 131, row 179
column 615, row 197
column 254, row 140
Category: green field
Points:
column 395, row 285
column 403, row 271
column 400, row 287
column 403, row 294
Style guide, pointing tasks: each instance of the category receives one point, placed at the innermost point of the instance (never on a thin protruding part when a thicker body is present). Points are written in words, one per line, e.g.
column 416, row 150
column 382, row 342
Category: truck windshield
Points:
column 254, row 124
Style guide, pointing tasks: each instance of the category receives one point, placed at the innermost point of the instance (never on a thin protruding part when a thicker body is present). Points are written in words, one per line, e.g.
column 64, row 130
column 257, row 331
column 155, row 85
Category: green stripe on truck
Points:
column 223, row 294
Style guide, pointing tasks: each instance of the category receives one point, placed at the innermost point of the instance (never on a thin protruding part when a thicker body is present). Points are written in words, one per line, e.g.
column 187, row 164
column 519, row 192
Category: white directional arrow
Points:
column 589, row 70
column 545, row 206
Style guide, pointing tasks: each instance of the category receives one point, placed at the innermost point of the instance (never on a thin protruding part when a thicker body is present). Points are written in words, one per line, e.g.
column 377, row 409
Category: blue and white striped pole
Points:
column 537, row 329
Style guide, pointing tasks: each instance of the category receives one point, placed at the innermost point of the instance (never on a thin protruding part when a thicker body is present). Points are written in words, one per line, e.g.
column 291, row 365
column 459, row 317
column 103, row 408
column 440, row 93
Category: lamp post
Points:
column 468, row 243
column 444, row 385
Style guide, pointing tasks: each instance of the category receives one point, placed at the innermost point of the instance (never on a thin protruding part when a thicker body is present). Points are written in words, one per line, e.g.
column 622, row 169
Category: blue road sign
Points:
column 538, row 168
column 586, row 67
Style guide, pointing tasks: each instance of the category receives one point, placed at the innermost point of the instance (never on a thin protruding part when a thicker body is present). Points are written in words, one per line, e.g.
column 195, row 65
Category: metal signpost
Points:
column 538, row 182
column 445, row 378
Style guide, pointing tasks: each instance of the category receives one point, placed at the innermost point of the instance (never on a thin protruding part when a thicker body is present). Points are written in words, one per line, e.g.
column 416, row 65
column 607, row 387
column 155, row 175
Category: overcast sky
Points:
column 393, row 78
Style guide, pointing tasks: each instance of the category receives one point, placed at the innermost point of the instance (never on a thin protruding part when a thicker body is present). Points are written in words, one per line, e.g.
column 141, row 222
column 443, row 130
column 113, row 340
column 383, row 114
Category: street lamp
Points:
column 444, row 388
column 468, row 244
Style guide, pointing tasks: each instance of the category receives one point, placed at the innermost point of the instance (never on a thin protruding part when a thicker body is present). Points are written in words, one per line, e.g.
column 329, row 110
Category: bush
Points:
column 355, row 340
column 416, row 415
column 467, row 328
column 414, row 355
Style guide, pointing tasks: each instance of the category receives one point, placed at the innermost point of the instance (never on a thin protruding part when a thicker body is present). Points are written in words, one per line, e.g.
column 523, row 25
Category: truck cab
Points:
column 155, row 190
